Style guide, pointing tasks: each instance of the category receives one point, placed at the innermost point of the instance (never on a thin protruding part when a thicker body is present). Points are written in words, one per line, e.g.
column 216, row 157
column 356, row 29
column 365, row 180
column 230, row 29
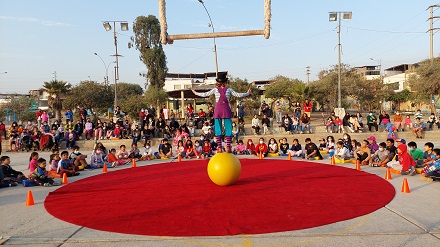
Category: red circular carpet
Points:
column 178, row 199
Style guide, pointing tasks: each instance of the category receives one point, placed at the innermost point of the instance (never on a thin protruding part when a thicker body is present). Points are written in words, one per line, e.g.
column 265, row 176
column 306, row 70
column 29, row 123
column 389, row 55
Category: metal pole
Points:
column 105, row 67
column 339, row 61
column 117, row 65
column 431, row 34
column 215, row 45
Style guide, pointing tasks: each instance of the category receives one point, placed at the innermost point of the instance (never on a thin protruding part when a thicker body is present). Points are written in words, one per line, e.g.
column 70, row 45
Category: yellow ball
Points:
column 224, row 169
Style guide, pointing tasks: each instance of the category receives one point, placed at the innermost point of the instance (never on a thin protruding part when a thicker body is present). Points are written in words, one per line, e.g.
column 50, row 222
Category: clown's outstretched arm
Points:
column 204, row 95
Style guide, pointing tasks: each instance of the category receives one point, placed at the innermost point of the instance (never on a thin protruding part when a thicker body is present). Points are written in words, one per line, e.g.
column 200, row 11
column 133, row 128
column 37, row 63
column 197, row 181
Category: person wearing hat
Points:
column 372, row 144
column 222, row 111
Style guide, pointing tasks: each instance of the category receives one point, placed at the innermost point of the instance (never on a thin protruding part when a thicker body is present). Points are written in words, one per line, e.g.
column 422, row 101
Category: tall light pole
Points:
column 215, row 46
column 431, row 29
column 105, row 67
column 108, row 27
column 336, row 16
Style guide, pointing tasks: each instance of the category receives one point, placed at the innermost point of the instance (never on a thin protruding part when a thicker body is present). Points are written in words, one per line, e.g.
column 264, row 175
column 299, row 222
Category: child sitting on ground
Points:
column 284, row 147
column 40, row 176
column 78, row 159
column 341, row 152
column 408, row 165
column 206, row 149
column 272, row 148
column 296, row 149
column 432, row 169
column 322, row 145
column 4, row 182
column 113, row 159
column 66, row 165
column 180, row 149
column 250, row 147
column 54, row 159
column 9, row 172
column 122, row 154
column 311, row 150
column 135, row 153
column 198, row 147
column 190, row 150
column 33, row 162
column 97, row 159
column 240, row 148
column 416, row 153
column 379, row 158
column 261, row 148
column 147, row 153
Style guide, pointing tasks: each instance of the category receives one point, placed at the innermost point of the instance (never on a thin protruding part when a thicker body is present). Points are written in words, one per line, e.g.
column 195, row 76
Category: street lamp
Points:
column 215, row 46
column 108, row 27
column 105, row 67
column 336, row 16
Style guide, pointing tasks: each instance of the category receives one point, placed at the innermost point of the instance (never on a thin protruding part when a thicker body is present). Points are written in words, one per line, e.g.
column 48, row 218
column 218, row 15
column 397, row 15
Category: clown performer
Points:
column 222, row 111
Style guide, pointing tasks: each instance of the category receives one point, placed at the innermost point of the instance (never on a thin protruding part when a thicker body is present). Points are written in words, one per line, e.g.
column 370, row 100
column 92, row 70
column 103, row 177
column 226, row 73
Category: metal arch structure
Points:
column 169, row 39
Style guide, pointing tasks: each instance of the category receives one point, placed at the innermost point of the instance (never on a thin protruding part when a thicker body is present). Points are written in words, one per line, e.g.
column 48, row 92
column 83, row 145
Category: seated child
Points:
column 54, row 159
column 284, row 147
column 408, row 165
column 97, row 159
column 341, row 152
column 147, row 153
column 77, row 158
column 432, row 169
column 122, row 154
column 180, row 149
column 190, row 150
column 4, row 182
column 250, row 147
column 296, row 149
column 322, row 145
column 272, row 148
column 380, row 157
column 197, row 147
column 416, row 153
column 206, row 149
column 330, row 145
column 33, row 162
column 311, row 150
column 9, row 172
column 240, row 148
column 363, row 153
column 261, row 148
column 166, row 150
column 66, row 166
column 39, row 176
column 135, row 153
column 113, row 159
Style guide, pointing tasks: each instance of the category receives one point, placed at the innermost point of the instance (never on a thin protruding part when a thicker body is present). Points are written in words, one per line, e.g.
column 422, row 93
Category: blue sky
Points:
column 40, row 37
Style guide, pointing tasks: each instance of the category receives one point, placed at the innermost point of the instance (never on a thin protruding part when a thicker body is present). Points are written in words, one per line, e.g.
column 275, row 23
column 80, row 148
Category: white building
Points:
column 398, row 76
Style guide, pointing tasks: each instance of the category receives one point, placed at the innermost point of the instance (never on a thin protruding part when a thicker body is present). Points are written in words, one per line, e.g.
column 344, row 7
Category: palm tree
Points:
column 56, row 89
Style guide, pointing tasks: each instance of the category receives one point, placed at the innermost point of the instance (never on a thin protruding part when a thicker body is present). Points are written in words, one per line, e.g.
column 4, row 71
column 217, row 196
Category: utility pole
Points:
column 55, row 75
column 308, row 74
column 431, row 30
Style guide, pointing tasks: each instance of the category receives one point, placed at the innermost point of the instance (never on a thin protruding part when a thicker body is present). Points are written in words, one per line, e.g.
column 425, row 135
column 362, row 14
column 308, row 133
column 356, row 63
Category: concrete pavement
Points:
column 408, row 220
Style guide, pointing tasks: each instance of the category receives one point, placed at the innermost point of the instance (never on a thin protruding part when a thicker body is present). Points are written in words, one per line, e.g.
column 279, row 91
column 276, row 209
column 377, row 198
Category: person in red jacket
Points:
column 250, row 147
column 261, row 147
column 307, row 106
column 406, row 161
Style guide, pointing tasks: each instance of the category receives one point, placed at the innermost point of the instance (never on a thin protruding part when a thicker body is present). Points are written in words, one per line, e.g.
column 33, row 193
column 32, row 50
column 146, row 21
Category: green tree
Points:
column 146, row 39
column 426, row 79
column 128, row 90
column 21, row 105
column 402, row 96
column 242, row 86
column 156, row 96
column 132, row 105
column 90, row 95
column 56, row 90
column 291, row 89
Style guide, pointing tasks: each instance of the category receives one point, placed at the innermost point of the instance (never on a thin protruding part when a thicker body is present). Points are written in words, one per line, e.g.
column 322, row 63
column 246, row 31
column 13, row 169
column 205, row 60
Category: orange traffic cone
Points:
column 289, row 157
column 179, row 158
column 405, row 187
column 388, row 174
column 104, row 169
column 30, row 199
column 332, row 160
column 133, row 163
column 64, row 181
column 358, row 165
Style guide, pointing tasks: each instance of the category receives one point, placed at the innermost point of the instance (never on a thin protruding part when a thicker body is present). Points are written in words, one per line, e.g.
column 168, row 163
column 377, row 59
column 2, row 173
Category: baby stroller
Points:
column 46, row 142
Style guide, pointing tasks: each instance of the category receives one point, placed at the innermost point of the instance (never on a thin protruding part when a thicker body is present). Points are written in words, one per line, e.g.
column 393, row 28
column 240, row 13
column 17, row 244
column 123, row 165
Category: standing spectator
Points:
column 38, row 117
column 69, row 115
column 297, row 107
column 278, row 112
column 152, row 111
column 398, row 121
column 372, row 121
column 165, row 113
column 44, row 117
column 51, row 114
column 119, row 115
column 142, row 118
column 307, row 107
column 2, row 130
column 82, row 115
column 240, row 109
